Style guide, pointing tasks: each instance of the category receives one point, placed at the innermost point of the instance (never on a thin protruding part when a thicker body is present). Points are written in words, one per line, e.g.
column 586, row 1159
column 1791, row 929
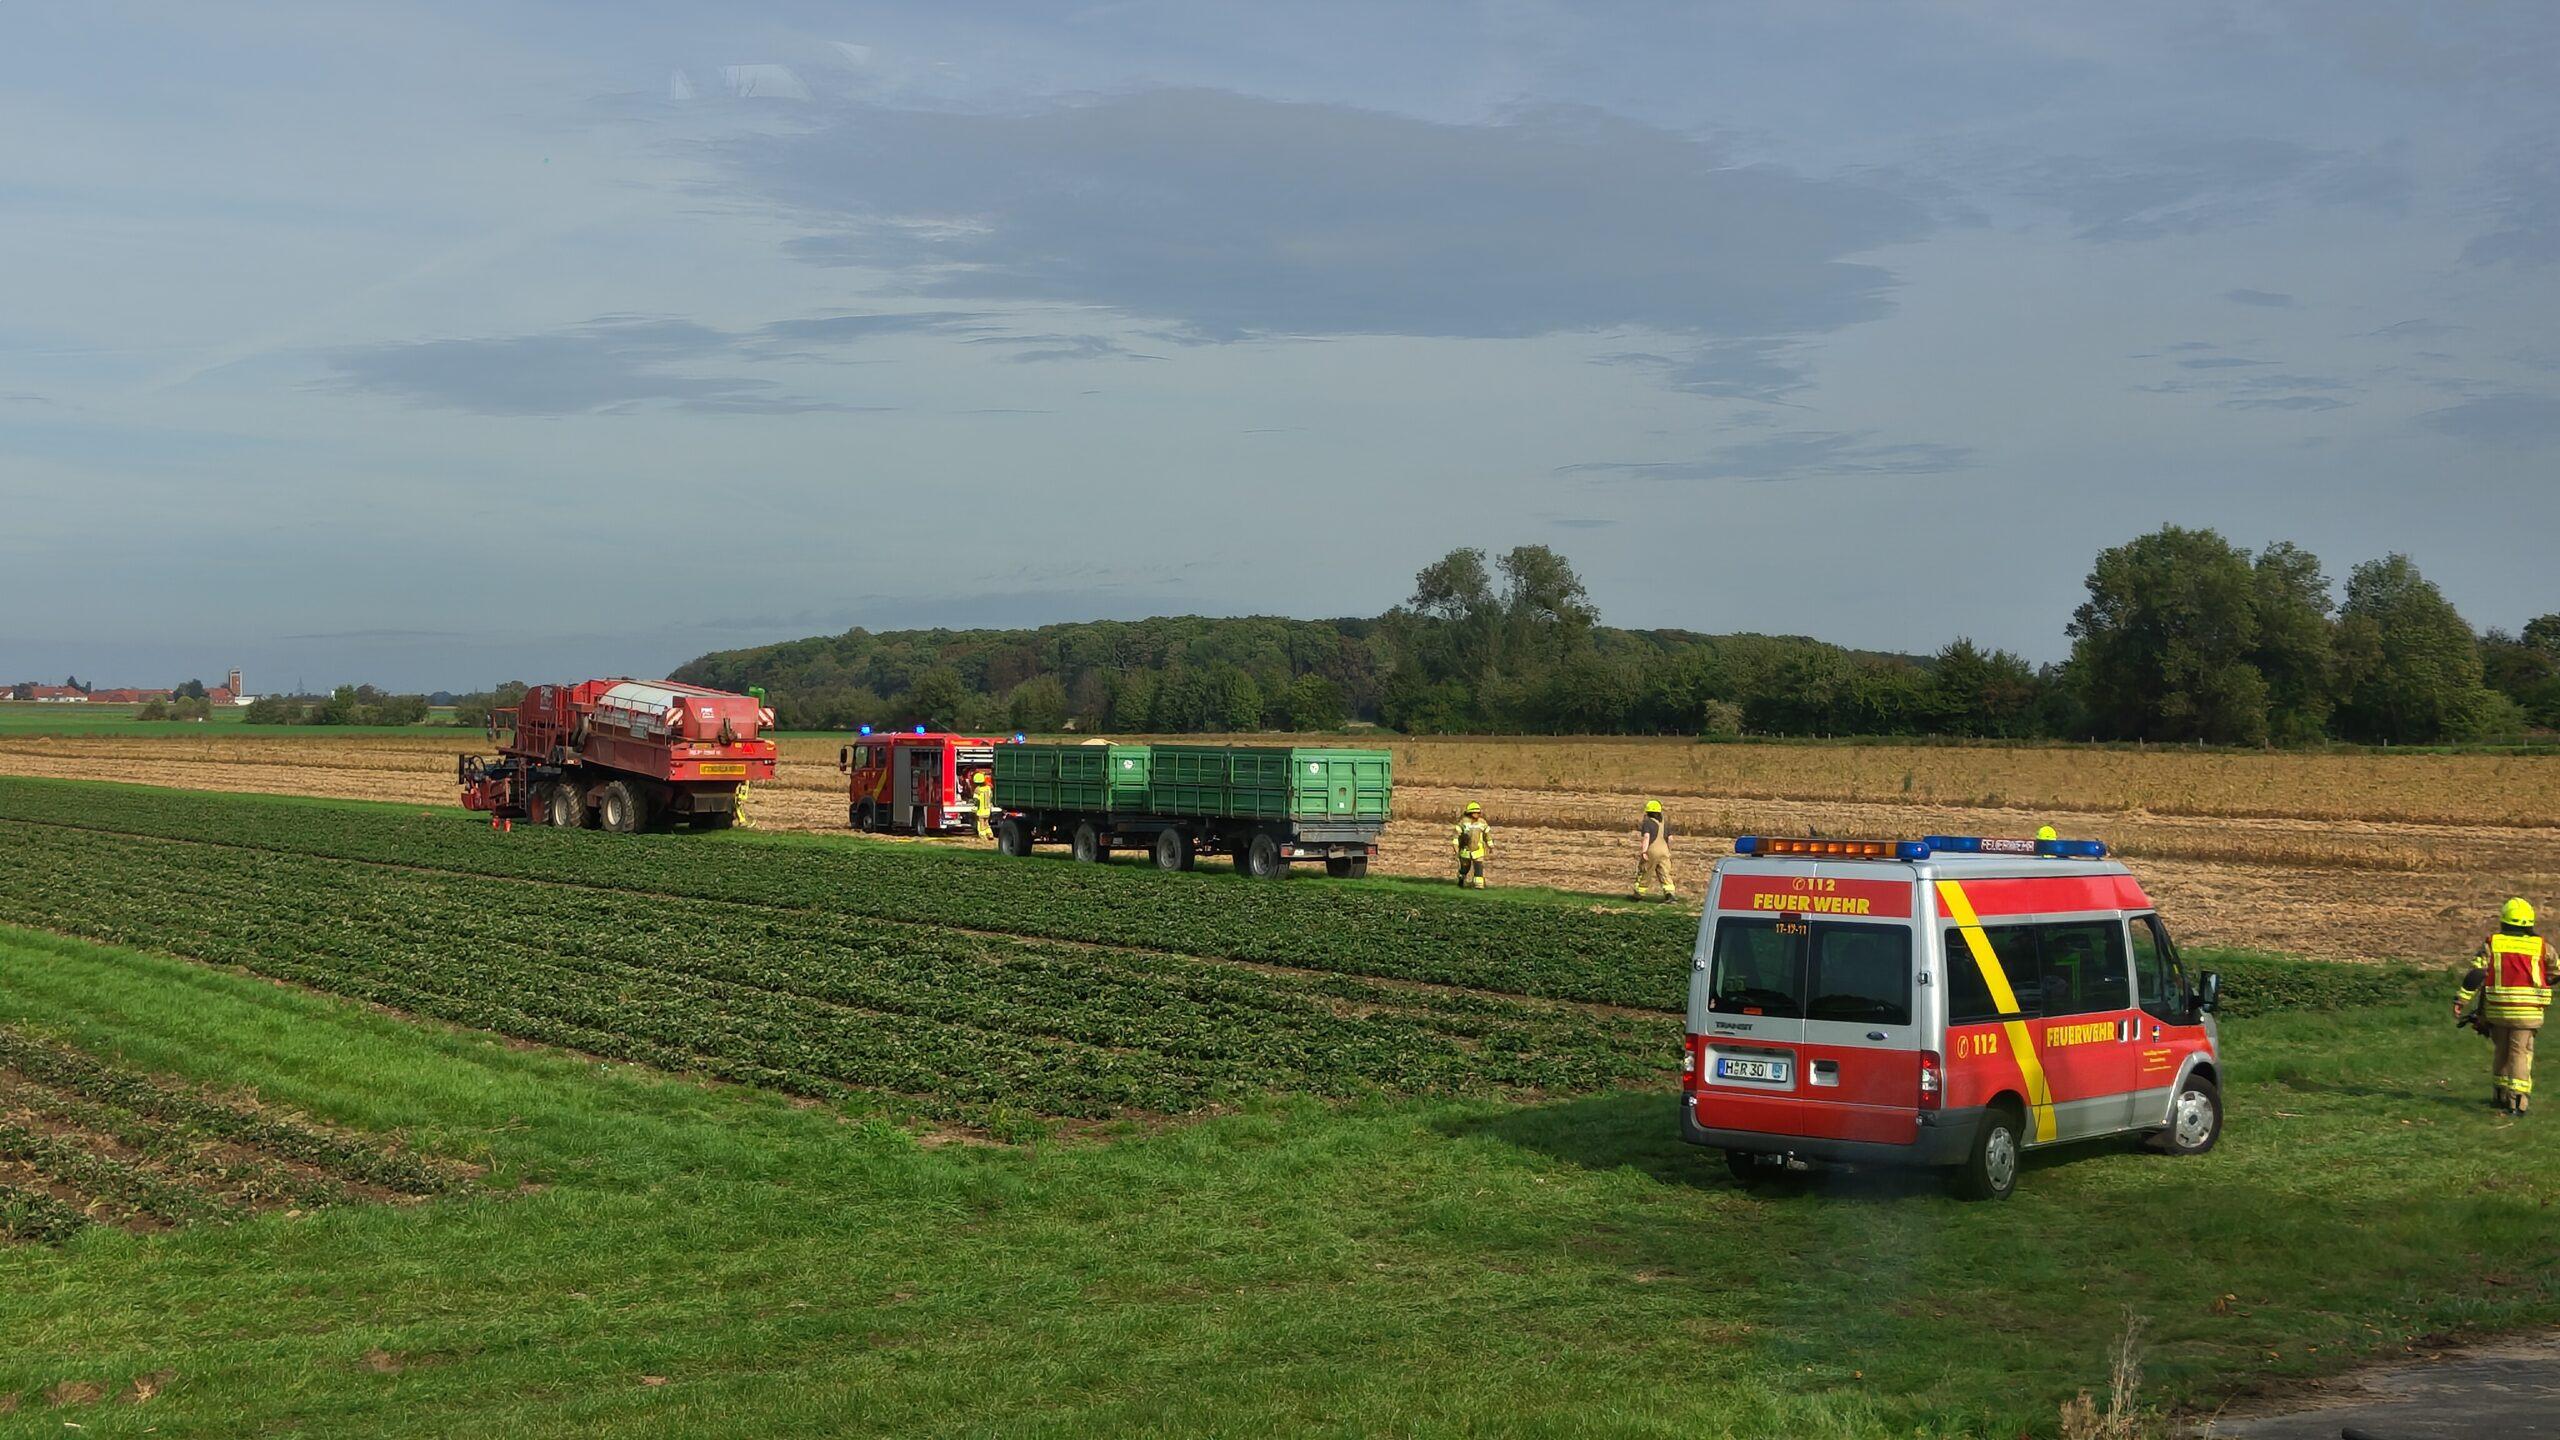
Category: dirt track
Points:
column 2347, row 889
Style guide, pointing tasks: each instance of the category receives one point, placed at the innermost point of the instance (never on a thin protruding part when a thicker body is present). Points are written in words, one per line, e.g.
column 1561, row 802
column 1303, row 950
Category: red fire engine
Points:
column 621, row 754
column 916, row 782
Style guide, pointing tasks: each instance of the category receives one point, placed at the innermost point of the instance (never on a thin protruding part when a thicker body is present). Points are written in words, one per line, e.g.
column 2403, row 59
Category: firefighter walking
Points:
column 2511, row 988
column 1653, row 852
column 982, row 802
column 1472, row 837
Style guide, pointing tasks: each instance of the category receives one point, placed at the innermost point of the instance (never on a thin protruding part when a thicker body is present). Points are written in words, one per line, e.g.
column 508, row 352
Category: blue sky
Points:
column 433, row 345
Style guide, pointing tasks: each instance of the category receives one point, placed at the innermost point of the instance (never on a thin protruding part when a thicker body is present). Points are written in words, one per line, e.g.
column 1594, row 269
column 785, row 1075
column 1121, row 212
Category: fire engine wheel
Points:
column 1990, row 1169
column 566, row 809
column 919, row 827
column 1173, row 850
column 620, row 808
column 2195, row 1119
column 866, row 816
column 1012, row 838
column 1088, row 844
column 1262, row 859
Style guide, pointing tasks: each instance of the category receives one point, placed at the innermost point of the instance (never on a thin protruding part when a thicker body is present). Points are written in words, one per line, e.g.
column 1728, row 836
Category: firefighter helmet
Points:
column 2046, row 832
column 2517, row 912
column 1653, row 807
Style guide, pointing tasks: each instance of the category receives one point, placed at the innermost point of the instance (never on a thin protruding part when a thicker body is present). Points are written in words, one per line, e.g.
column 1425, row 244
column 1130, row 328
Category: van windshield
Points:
column 1812, row 970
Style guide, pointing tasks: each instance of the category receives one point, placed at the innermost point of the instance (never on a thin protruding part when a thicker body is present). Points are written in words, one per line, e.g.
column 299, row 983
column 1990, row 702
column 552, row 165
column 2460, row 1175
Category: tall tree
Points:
column 2409, row 664
column 2295, row 649
column 2163, row 648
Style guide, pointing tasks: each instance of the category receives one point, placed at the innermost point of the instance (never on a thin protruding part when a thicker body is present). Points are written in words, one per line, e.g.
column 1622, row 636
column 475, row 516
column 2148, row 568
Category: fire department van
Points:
column 1953, row 1001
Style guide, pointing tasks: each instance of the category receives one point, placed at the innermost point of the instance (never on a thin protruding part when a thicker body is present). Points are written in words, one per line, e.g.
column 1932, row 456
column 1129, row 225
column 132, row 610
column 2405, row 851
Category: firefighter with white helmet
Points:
column 2504, row 996
column 1653, row 852
column 1473, row 839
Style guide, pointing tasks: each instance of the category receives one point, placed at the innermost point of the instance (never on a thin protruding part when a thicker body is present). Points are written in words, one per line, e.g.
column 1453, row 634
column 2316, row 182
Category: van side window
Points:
column 2159, row 980
column 2084, row 967
column 1969, row 999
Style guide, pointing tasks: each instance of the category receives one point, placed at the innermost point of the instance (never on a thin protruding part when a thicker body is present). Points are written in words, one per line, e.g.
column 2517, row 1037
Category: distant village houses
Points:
column 72, row 692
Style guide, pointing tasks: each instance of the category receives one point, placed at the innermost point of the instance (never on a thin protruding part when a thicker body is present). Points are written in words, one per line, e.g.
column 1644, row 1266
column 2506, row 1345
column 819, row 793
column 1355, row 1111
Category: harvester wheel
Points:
column 620, row 808
column 1012, row 839
column 537, row 803
column 1088, row 843
column 1173, row 850
column 567, row 809
column 1262, row 859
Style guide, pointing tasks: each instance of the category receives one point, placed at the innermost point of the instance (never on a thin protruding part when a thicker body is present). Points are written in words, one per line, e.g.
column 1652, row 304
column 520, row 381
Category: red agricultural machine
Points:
column 621, row 755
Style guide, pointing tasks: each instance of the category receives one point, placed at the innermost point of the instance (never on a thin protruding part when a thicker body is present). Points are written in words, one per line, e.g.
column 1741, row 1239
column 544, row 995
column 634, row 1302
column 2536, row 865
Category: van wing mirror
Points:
column 2209, row 992
column 844, row 760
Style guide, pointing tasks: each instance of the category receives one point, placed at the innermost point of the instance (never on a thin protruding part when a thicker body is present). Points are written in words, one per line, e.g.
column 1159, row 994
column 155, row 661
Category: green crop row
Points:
column 957, row 1025
column 31, row 1215
column 1625, row 957
column 119, row 1182
column 140, row 1108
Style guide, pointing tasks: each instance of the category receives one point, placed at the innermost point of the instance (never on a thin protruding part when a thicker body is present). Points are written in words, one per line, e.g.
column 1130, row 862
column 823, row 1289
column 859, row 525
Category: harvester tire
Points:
column 1173, row 850
column 620, row 808
column 1088, row 844
column 537, row 803
column 1262, row 859
column 568, row 808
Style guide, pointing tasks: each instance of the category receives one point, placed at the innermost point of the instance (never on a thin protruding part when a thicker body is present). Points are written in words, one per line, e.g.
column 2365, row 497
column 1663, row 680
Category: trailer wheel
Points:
column 1012, row 839
column 568, row 808
column 1262, row 859
column 620, row 808
column 1088, row 844
column 1173, row 849
column 1346, row 867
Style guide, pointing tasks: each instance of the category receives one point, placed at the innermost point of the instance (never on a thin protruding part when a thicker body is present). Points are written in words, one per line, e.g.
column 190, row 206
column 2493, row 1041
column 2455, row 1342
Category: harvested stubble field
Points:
column 2346, row 856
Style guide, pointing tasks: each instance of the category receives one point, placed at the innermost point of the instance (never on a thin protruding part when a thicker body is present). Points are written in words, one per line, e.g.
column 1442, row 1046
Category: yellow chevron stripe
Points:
column 1951, row 898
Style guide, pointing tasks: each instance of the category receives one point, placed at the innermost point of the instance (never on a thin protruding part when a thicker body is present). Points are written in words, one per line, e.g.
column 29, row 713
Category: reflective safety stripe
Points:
column 2516, row 979
column 1951, row 898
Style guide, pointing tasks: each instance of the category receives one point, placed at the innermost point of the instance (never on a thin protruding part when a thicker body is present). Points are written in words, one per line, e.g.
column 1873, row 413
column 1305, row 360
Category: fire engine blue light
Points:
column 866, row 729
column 919, row 729
column 1018, row 737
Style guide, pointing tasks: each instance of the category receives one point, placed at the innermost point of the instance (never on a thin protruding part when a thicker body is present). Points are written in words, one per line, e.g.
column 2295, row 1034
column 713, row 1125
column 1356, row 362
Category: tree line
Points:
column 2184, row 637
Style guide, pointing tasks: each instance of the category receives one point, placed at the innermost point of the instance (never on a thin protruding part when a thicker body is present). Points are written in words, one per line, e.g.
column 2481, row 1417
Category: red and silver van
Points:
column 1953, row 1001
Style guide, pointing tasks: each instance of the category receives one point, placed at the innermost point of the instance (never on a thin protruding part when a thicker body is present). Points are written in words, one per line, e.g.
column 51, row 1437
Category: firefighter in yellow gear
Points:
column 1473, row 838
column 746, row 791
column 982, row 802
column 1653, row 852
column 2511, row 988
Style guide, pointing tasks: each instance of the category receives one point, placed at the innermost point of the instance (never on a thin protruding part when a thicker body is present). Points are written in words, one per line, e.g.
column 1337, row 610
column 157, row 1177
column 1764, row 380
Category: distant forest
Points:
column 2184, row 638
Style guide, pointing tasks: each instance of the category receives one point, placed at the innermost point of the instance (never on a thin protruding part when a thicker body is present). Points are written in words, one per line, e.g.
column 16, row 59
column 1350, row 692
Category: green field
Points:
column 29, row 717
column 1129, row 1153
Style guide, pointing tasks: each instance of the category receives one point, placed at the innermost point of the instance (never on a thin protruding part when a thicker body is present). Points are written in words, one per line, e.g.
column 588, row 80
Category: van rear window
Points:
column 1817, row 970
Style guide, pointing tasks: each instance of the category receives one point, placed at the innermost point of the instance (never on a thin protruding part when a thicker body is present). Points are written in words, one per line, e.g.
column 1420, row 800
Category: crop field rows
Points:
column 85, row 1142
column 739, row 961
column 2378, row 856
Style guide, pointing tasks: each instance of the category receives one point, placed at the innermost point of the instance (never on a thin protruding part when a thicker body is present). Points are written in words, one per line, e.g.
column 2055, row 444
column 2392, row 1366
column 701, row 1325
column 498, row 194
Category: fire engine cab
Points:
column 913, row 782
column 1952, row 1001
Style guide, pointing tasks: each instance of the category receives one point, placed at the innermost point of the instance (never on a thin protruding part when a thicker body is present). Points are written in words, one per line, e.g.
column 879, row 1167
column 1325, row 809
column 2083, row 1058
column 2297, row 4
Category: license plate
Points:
column 1771, row 1071
column 721, row 767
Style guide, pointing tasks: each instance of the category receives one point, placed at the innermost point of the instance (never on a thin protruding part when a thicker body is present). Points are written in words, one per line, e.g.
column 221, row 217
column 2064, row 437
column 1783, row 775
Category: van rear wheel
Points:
column 1990, row 1169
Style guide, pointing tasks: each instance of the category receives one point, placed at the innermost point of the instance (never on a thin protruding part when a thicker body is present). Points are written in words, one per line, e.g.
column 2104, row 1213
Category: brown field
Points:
column 2347, row 856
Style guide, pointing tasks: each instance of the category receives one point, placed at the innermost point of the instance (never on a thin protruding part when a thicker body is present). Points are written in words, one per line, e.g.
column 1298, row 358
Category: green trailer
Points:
column 1267, row 806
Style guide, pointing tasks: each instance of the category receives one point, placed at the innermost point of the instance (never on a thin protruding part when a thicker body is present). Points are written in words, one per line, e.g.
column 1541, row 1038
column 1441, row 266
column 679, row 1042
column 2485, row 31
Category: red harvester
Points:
column 621, row 754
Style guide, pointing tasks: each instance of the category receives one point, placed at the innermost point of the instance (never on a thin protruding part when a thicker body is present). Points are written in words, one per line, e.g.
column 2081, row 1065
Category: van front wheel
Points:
column 1990, row 1169
column 2195, row 1119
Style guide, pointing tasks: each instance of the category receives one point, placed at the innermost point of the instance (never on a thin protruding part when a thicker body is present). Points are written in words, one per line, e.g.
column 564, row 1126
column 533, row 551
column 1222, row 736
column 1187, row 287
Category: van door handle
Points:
column 1875, row 1034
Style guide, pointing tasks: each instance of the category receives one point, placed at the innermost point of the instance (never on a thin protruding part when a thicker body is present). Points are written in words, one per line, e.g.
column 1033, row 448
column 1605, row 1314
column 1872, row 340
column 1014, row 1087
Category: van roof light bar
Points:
column 2004, row 845
column 1831, row 849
